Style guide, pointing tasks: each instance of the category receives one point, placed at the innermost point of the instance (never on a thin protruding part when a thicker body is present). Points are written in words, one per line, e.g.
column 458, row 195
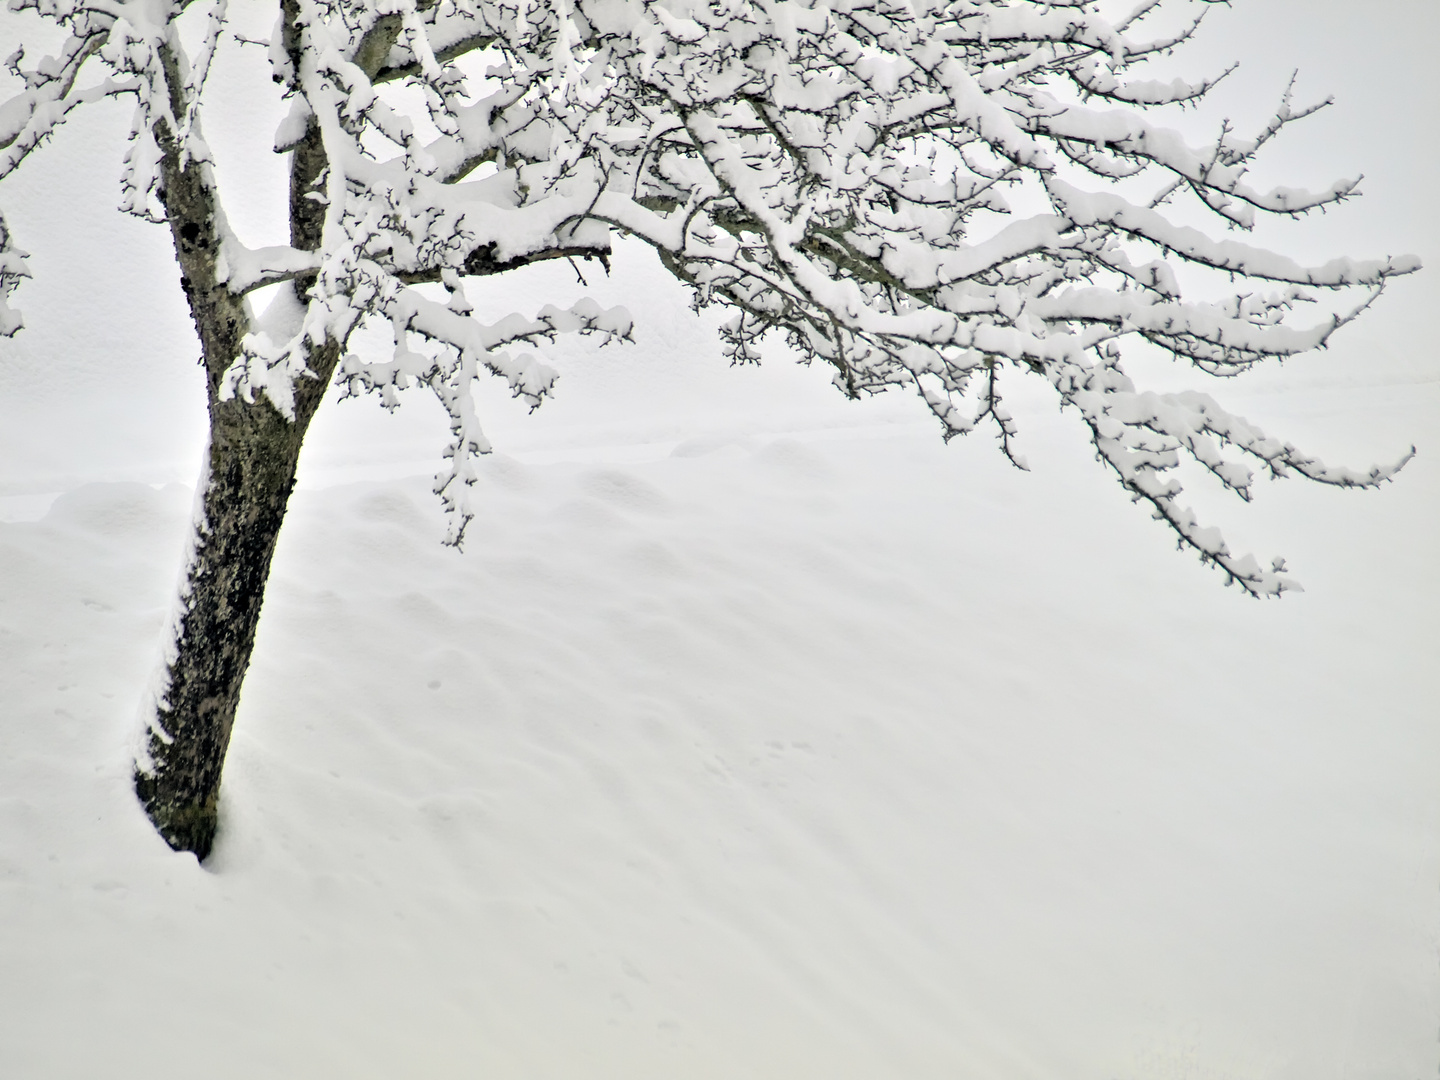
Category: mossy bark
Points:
column 253, row 453
column 251, row 469
column 252, row 457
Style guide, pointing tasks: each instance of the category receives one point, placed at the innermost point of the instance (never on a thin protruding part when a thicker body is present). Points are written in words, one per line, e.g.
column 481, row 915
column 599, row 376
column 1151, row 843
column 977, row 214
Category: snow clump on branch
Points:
column 938, row 196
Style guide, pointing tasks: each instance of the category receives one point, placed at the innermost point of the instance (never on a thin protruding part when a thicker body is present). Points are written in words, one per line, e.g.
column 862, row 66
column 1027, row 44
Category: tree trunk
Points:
column 247, row 481
column 245, row 484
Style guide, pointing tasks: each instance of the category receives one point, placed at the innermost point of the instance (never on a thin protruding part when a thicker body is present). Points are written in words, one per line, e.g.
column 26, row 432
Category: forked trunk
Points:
column 244, row 489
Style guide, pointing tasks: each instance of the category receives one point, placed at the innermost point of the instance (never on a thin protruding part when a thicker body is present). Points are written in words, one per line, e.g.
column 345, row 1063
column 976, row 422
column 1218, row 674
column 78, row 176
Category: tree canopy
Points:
column 936, row 196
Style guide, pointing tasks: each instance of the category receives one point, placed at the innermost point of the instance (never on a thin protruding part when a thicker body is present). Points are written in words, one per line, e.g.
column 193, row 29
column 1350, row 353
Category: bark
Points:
column 246, row 483
column 252, row 457
column 248, row 477
column 247, row 480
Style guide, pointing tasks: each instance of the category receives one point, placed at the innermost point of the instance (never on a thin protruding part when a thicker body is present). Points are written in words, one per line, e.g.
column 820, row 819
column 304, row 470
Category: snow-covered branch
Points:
column 843, row 174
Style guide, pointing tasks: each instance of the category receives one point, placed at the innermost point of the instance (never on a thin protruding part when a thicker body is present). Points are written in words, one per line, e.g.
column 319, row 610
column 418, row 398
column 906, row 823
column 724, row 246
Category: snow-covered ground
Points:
column 847, row 757
column 755, row 734
column 829, row 751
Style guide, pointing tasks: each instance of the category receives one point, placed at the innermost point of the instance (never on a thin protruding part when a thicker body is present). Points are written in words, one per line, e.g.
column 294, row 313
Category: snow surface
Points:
column 842, row 757
column 754, row 735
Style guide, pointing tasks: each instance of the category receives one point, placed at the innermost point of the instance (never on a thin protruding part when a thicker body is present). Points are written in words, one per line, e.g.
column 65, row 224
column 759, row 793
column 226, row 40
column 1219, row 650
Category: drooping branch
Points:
column 848, row 176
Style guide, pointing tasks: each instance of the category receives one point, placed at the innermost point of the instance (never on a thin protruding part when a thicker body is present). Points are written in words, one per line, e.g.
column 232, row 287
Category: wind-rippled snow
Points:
column 812, row 755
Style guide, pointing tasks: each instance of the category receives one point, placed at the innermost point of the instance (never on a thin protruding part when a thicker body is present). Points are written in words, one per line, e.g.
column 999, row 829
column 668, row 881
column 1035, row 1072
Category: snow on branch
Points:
column 244, row 270
column 29, row 117
column 459, row 347
column 841, row 174
column 12, row 269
